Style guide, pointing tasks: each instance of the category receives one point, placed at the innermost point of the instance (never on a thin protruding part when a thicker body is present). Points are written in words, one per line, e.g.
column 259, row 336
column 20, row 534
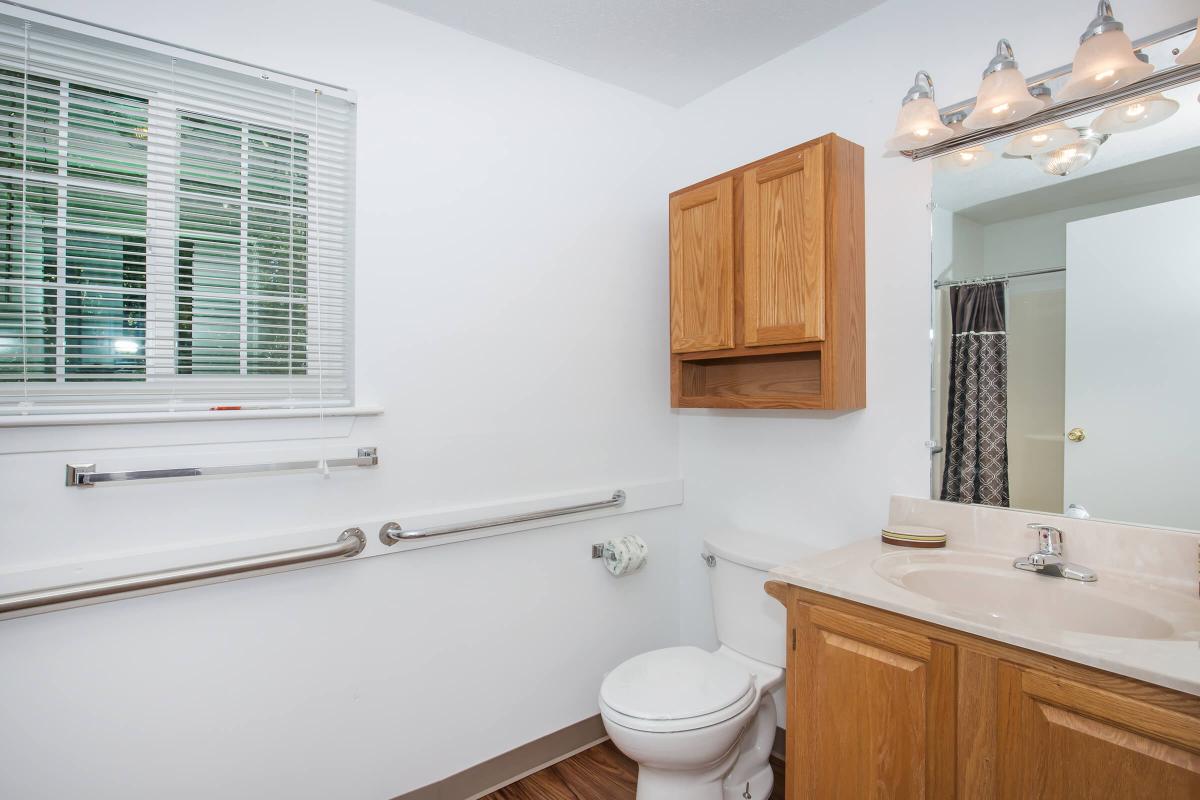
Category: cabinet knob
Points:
column 1076, row 434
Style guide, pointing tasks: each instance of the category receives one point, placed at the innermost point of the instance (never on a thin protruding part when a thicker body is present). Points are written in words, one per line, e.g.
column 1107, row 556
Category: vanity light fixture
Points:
column 1065, row 160
column 1042, row 140
column 1105, row 59
column 1136, row 114
column 919, row 124
column 1106, row 68
column 1003, row 95
column 1192, row 54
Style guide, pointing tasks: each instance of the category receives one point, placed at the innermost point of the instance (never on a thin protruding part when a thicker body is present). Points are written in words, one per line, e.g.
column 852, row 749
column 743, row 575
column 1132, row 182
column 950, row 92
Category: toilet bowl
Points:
column 685, row 715
column 701, row 724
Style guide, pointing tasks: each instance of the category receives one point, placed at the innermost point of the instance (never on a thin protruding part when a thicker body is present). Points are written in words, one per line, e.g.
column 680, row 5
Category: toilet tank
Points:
column 748, row 619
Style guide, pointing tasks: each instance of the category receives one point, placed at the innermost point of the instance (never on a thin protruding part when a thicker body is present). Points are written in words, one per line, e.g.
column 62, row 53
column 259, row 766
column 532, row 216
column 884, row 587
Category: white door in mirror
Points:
column 1132, row 282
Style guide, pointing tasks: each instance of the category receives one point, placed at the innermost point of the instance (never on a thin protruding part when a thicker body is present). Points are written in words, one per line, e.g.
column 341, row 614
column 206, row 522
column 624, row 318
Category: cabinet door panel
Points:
column 873, row 710
column 1063, row 740
column 702, row 268
column 784, row 249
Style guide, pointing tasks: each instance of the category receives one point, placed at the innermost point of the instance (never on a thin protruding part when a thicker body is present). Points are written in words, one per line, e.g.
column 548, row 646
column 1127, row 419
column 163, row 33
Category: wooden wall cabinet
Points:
column 884, row 706
column 767, row 283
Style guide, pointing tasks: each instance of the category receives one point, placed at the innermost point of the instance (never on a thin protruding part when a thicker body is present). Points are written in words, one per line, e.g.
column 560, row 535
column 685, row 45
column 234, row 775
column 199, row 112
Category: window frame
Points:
column 160, row 290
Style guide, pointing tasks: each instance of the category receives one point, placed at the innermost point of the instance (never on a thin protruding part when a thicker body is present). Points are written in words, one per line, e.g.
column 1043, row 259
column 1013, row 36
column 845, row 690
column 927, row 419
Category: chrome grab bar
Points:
column 392, row 532
column 350, row 543
column 86, row 475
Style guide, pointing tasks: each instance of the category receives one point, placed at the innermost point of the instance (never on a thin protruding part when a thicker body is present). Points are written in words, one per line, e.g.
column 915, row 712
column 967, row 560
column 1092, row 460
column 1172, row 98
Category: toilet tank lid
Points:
column 756, row 550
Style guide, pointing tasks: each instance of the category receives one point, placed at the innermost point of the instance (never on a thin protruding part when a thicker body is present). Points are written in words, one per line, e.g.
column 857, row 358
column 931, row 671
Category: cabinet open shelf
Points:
column 782, row 380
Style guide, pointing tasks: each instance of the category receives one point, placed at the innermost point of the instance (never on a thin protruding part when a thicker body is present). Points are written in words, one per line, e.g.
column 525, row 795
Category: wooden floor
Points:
column 601, row 773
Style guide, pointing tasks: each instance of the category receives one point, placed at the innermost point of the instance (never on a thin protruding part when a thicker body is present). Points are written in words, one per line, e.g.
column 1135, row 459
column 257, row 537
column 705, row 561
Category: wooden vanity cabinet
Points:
column 1060, row 739
column 875, row 706
column 885, row 706
column 767, row 283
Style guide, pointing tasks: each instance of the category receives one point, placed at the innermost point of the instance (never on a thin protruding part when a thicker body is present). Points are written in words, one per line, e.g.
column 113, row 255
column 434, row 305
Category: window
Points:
column 173, row 234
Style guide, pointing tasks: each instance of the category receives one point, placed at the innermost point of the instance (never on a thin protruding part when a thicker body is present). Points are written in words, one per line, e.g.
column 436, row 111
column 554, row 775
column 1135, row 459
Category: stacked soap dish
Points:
column 913, row 536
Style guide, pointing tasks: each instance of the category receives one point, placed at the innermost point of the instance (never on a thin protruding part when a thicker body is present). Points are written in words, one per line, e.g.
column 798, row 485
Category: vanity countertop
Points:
column 1142, row 627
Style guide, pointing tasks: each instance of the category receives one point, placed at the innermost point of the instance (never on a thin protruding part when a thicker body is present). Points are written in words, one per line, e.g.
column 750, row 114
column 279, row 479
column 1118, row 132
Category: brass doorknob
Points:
column 1076, row 434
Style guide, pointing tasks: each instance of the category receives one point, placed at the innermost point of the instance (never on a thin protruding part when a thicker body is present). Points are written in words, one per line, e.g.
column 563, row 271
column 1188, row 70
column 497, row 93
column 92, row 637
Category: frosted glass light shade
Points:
column 1192, row 54
column 919, row 125
column 1041, row 140
column 1102, row 63
column 1136, row 114
column 972, row 158
column 1003, row 98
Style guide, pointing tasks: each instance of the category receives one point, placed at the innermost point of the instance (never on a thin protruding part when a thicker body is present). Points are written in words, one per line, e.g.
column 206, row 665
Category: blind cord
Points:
column 322, row 464
column 291, row 262
column 24, row 216
column 174, row 316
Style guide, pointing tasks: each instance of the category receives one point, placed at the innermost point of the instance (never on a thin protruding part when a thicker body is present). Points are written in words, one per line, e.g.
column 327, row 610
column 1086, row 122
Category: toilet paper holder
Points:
column 598, row 550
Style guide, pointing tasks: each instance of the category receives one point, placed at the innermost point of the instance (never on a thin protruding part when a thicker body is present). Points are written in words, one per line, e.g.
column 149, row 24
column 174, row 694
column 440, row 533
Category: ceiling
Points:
column 669, row 50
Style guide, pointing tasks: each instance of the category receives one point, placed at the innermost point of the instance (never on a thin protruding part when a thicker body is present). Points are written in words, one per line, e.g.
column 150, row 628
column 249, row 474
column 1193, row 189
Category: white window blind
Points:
column 173, row 234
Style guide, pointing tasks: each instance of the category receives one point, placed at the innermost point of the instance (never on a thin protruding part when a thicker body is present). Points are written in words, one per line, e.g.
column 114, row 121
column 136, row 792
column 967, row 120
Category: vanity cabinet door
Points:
column 872, row 711
column 701, row 222
column 783, row 206
column 1061, row 740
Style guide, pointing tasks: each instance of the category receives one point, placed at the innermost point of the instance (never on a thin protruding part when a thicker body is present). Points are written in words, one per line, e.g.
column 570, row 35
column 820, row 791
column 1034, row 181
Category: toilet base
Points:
column 757, row 787
column 668, row 784
column 745, row 771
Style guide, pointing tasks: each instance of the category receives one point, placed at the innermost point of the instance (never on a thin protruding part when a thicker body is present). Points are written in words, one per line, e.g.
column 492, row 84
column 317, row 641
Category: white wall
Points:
column 511, row 306
column 1037, row 321
column 819, row 477
column 1040, row 241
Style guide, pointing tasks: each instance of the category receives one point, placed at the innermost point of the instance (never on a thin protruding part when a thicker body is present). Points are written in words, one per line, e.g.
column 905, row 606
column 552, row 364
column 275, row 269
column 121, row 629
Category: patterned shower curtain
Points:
column 976, row 459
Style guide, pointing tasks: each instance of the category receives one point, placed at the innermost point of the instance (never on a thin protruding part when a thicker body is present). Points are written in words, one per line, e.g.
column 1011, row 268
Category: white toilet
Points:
column 700, row 724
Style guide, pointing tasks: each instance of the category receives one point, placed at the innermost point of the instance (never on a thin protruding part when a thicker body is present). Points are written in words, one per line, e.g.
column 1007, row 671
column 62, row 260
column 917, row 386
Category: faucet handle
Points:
column 1050, row 538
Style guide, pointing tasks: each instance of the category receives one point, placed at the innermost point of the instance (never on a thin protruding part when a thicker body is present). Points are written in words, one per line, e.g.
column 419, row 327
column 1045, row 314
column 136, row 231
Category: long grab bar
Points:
column 392, row 533
column 350, row 543
column 86, row 475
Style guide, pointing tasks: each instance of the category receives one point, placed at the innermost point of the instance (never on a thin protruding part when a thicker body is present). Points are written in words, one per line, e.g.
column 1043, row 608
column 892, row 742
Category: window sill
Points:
column 58, row 420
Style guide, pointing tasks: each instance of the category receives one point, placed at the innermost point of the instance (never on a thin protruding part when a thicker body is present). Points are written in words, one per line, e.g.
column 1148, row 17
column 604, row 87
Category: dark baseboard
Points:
column 517, row 763
column 521, row 761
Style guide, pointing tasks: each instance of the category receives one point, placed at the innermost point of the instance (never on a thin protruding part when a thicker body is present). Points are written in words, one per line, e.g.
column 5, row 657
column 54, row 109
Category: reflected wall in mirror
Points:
column 1066, row 303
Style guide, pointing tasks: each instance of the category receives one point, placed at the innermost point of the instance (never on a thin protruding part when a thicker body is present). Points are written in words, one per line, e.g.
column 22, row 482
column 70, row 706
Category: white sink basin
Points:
column 989, row 589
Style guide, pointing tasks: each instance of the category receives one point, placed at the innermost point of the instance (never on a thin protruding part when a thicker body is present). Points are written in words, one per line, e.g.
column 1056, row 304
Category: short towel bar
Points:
column 392, row 532
column 86, row 475
column 350, row 543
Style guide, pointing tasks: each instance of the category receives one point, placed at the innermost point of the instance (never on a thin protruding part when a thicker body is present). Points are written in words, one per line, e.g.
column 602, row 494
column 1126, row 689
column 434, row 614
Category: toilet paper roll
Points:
column 624, row 554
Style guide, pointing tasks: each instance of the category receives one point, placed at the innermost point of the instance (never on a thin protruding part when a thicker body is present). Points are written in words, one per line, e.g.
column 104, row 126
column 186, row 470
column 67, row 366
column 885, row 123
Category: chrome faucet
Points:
column 1048, row 560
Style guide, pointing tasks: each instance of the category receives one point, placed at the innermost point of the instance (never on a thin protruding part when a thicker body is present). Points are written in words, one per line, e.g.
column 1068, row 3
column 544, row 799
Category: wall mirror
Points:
column 1066, row 315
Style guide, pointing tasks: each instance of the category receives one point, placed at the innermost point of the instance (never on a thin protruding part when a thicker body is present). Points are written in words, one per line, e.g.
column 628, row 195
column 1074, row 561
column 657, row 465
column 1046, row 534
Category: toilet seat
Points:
column 676, row 689
column 678, row 725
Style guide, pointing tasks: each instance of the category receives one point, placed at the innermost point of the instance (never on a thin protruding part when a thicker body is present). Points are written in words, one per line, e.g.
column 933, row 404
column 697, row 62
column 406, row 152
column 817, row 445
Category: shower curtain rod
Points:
column 994, row 278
